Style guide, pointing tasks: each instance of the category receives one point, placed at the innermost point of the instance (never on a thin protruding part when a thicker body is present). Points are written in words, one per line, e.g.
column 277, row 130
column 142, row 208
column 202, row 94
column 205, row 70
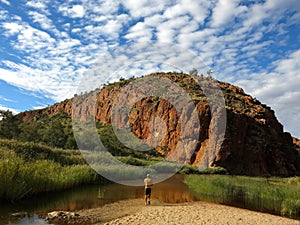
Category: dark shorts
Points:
column 147, row 191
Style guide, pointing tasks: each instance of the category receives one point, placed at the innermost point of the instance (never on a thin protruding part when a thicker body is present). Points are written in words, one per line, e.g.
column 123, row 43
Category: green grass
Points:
column 27, row 169
column 102, row 162
column 170, row 166
column 274, row 195
column 138, row 161
column 126, row 167
column 30, row 151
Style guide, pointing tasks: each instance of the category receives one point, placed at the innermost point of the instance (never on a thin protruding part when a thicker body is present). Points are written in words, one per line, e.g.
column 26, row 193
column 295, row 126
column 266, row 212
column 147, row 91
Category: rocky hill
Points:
column 254, row 141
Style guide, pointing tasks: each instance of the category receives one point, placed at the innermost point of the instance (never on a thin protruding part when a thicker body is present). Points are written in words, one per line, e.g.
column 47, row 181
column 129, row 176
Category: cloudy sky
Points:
column 48, row 47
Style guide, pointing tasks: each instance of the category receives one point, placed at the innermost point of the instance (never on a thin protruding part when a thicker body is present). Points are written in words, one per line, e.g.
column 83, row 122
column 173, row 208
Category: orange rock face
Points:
column 254, row 142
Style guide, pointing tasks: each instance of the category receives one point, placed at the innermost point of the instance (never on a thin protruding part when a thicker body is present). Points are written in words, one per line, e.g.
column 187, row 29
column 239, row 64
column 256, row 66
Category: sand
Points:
column 134, row 212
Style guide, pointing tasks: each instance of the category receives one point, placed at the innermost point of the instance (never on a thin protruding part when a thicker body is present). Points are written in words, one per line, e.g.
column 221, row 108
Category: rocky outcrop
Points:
column 254, row 141
column 68, row 218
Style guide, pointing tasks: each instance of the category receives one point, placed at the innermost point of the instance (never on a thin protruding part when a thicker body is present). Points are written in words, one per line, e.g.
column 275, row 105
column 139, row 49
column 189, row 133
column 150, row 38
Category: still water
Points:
column 172, row 190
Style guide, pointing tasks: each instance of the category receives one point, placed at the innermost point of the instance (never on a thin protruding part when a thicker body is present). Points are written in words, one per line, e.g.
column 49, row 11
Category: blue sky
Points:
column 48, row 47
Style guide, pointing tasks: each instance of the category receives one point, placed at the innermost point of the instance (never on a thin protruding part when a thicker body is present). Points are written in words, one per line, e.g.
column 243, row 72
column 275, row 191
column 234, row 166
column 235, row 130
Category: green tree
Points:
column 193, row 72
column 8, row 125
column 29, row 131
column 53, row 134
column 70, row 143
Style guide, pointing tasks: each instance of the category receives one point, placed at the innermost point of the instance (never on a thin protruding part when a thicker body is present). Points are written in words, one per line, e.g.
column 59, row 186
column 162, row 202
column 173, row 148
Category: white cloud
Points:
column 65, row 45
column 37, row 4
column 225, row 11
column 56, row 64
column 14, row 111
column 168, row 31
column 36, row 80
column 256, row 15
column 140, row 32
column 291, row 65
column 3, row 14
column 174, row 11
column 199, row 10
column 76, row 30
column 5, row 2
column 11, row 28
column 165, row 34
column 184, row 17
column 7, row 99
column 31, row 40
column 43, row 21
column 282, row 5
column 51, row 70
column 75, row 11
column 40, row 106
column 103, row 7
column 112, row 29
column 144, row 8
column 138, row 58
column 270, row 11
column 40, row 5
column 154, row 20
column 196, row 39
column 280, row 90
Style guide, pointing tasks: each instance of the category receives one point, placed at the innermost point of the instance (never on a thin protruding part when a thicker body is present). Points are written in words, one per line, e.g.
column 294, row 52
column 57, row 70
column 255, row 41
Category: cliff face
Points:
column 254, row 141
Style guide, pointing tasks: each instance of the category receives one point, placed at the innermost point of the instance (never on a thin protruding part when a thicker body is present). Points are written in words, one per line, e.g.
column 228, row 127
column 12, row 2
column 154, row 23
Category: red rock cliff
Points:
column 254, row 141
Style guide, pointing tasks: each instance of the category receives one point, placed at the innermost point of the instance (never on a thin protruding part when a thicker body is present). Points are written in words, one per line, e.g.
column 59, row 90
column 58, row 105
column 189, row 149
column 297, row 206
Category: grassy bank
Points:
column 27, row 169
column 274, row 195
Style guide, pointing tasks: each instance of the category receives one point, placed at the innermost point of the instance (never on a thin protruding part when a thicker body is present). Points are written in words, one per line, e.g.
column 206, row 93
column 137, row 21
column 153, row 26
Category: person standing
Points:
column 148, row 185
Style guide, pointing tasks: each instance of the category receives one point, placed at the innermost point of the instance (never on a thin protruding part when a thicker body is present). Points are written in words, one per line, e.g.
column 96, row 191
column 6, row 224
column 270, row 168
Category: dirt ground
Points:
column 134, row 212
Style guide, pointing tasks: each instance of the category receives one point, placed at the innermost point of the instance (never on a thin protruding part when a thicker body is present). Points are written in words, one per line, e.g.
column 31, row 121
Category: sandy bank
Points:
column 200, row 213
column 134, row 212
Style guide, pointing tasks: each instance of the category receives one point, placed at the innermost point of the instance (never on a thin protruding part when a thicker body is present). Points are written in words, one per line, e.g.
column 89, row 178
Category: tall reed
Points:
column 20, row 176
column 273, row 195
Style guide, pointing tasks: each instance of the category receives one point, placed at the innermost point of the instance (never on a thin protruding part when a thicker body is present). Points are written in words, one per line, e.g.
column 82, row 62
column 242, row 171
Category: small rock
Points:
column 63, row 214
column 20, row 214
column 65, row 217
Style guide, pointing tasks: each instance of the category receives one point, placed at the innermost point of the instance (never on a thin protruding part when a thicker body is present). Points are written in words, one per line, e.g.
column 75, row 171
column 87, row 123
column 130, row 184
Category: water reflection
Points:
column 30, row 220
column 172, row 190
